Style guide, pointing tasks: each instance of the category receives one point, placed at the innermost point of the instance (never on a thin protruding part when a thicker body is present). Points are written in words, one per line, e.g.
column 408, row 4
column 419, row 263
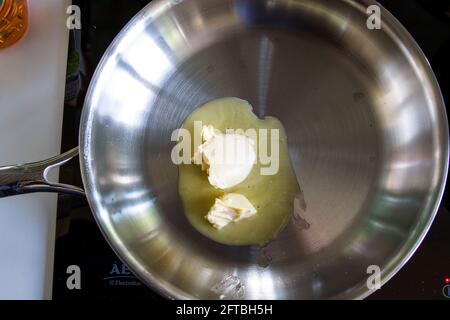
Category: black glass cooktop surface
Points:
column 79, row 241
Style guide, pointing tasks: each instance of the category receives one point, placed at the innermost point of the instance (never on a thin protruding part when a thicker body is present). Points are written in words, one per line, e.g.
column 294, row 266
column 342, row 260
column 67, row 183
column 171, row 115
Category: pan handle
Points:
column 33, row 177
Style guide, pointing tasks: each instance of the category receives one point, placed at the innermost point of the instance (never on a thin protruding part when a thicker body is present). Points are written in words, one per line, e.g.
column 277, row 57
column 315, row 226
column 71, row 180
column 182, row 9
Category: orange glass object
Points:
column 13, row 21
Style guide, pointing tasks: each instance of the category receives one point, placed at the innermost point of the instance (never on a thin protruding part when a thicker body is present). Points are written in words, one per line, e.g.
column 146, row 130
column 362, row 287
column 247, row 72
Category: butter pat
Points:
column 228, row 158
column 231, row 207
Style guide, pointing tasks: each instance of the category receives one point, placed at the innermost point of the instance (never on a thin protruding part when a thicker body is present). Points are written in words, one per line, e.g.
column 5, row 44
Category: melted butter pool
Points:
column 272, row 195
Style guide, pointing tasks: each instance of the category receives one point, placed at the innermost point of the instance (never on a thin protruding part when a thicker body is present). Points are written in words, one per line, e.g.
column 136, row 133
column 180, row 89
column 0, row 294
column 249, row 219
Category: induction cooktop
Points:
column 79, row 241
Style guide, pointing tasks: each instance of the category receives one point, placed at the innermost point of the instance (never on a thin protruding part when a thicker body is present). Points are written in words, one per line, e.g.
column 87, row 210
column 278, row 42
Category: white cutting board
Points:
column 32, row 78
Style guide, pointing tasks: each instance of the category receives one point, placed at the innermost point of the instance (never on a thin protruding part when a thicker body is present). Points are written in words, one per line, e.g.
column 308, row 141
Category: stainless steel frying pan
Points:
column 367, row 134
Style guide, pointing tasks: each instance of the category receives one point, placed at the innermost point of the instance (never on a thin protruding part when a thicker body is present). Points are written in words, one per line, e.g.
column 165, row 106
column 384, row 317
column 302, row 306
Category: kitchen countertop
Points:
column 31, row 98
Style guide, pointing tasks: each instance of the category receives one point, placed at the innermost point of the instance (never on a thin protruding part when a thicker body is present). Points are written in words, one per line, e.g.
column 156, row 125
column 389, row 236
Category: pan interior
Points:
column 366, row 134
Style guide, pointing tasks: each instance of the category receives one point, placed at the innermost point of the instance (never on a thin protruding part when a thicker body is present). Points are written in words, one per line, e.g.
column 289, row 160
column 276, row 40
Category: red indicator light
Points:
column 447, row 280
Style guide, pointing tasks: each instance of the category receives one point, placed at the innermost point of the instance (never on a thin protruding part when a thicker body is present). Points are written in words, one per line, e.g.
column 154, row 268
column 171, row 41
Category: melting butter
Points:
column 231, row 207
column 271, row 195
column 228, row 158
